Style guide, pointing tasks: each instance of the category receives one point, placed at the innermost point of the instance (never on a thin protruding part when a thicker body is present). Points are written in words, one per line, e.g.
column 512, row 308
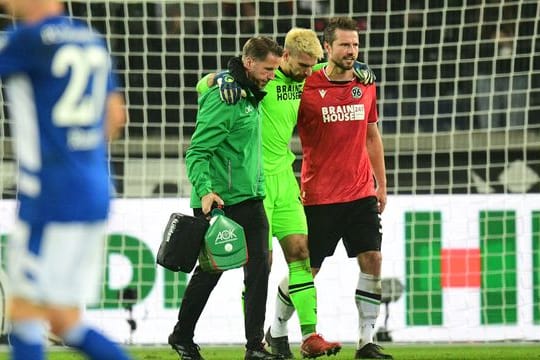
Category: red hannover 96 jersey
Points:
column 332, row 124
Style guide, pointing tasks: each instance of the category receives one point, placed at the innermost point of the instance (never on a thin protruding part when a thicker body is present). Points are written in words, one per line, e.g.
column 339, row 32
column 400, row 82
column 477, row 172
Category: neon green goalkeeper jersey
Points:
column 279, row 110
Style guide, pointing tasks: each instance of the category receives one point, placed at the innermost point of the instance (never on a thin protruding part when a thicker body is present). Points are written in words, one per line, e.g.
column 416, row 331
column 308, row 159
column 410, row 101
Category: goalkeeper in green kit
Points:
column 284, row 209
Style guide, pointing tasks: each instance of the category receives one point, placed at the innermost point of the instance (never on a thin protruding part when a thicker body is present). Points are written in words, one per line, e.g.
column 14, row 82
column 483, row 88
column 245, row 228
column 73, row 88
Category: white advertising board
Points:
column 222, row 319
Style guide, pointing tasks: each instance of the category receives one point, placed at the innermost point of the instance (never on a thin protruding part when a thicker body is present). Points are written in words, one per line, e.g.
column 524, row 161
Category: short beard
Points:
column 342, row 67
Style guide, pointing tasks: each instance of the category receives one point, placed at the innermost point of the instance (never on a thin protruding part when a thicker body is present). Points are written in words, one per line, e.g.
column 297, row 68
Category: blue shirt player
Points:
column 64, row 108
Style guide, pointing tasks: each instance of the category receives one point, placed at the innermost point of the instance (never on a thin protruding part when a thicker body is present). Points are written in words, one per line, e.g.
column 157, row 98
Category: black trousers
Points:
column 250, row 214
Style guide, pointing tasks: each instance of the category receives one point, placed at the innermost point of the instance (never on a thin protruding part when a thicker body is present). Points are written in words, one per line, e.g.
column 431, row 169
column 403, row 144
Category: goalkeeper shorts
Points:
column 283, row 206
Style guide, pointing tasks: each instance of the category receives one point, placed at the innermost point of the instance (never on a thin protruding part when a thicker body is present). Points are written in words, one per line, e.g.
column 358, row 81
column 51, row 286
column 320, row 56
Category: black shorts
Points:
column 357, row 222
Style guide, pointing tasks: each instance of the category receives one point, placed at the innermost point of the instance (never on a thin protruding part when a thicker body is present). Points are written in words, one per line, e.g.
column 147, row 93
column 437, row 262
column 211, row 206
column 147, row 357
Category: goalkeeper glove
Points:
column 364, row 73
column 229, row 90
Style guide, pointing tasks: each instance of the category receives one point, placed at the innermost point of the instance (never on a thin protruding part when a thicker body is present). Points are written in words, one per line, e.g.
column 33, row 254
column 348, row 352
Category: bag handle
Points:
column 218, row 210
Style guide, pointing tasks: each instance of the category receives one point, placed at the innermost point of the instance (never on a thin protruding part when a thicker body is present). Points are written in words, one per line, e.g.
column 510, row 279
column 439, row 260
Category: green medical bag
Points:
column 224, row 244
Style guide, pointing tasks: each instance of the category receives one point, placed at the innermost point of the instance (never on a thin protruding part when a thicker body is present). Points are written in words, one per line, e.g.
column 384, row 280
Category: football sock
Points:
column 92, row 343
column 27, row 340
column 284, row 310
column 368, row 303
column 303, row 295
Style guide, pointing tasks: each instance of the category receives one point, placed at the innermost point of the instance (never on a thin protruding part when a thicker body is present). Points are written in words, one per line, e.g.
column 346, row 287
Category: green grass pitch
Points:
column 459, row 351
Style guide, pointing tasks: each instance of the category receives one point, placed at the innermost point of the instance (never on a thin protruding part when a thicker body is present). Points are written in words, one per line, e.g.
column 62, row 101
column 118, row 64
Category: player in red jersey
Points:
column 343, row 172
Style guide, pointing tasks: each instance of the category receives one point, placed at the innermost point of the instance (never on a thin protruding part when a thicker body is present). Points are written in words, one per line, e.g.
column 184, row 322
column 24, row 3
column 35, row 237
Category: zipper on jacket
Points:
column 229, row 173
column 259, row 151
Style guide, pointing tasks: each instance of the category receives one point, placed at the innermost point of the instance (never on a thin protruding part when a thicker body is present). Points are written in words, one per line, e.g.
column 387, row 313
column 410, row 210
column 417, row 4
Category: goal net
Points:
column 459, row 107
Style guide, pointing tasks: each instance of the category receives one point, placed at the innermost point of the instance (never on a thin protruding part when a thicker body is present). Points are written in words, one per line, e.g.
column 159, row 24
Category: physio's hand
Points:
column 230, row 91
column 364, row 73
column 208, row 200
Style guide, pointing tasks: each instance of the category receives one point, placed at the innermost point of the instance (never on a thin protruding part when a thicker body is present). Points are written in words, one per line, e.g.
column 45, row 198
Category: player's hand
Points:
column 381, row 198
column 364, row 73
column 230, row 91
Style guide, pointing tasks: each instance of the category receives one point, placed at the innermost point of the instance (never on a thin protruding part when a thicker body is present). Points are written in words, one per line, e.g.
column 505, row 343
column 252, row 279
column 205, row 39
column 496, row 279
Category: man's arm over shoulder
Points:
column 205, row 83
column 229, row 90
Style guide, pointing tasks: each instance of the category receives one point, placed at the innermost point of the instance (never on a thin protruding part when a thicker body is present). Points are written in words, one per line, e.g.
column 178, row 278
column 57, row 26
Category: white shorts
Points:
column 57, row 263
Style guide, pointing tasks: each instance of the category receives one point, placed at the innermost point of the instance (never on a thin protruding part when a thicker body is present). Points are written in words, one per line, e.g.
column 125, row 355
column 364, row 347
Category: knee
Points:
column 299, row 252
column 370, row 262
column 296, row 249
column 61, row 320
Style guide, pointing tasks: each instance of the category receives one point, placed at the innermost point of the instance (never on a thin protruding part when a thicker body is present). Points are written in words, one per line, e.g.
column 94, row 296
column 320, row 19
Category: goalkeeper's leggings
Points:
column 250, row 214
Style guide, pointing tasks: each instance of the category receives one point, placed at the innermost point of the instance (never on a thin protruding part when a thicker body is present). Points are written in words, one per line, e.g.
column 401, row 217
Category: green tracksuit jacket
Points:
column 225, row 151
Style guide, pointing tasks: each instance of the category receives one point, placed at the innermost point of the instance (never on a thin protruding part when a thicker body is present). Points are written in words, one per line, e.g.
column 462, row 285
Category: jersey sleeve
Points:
column 212, row 127
column 373, row 113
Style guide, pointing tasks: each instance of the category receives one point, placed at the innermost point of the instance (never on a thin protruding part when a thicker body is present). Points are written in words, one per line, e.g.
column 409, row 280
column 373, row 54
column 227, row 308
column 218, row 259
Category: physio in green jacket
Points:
column 224, row 162
column 224, row 166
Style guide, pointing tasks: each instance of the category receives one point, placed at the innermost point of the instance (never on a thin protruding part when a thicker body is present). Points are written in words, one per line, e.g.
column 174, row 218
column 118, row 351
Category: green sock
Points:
column 303, row 295
column 307, row 330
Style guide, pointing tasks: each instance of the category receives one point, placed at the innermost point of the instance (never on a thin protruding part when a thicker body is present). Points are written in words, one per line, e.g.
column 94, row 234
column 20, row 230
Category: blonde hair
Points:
column 299, row 40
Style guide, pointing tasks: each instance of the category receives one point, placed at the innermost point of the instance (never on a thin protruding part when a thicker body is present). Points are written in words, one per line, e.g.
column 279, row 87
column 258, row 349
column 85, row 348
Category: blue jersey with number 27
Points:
column 57, row 75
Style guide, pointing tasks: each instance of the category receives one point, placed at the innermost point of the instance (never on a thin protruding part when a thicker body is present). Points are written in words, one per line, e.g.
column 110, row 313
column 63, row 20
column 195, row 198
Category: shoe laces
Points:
column 319, row 339
column 315, row 337
column 312, row 339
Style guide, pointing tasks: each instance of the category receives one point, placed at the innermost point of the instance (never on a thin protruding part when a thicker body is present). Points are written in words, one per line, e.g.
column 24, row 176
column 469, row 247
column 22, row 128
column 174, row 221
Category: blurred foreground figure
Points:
column 64, row 108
